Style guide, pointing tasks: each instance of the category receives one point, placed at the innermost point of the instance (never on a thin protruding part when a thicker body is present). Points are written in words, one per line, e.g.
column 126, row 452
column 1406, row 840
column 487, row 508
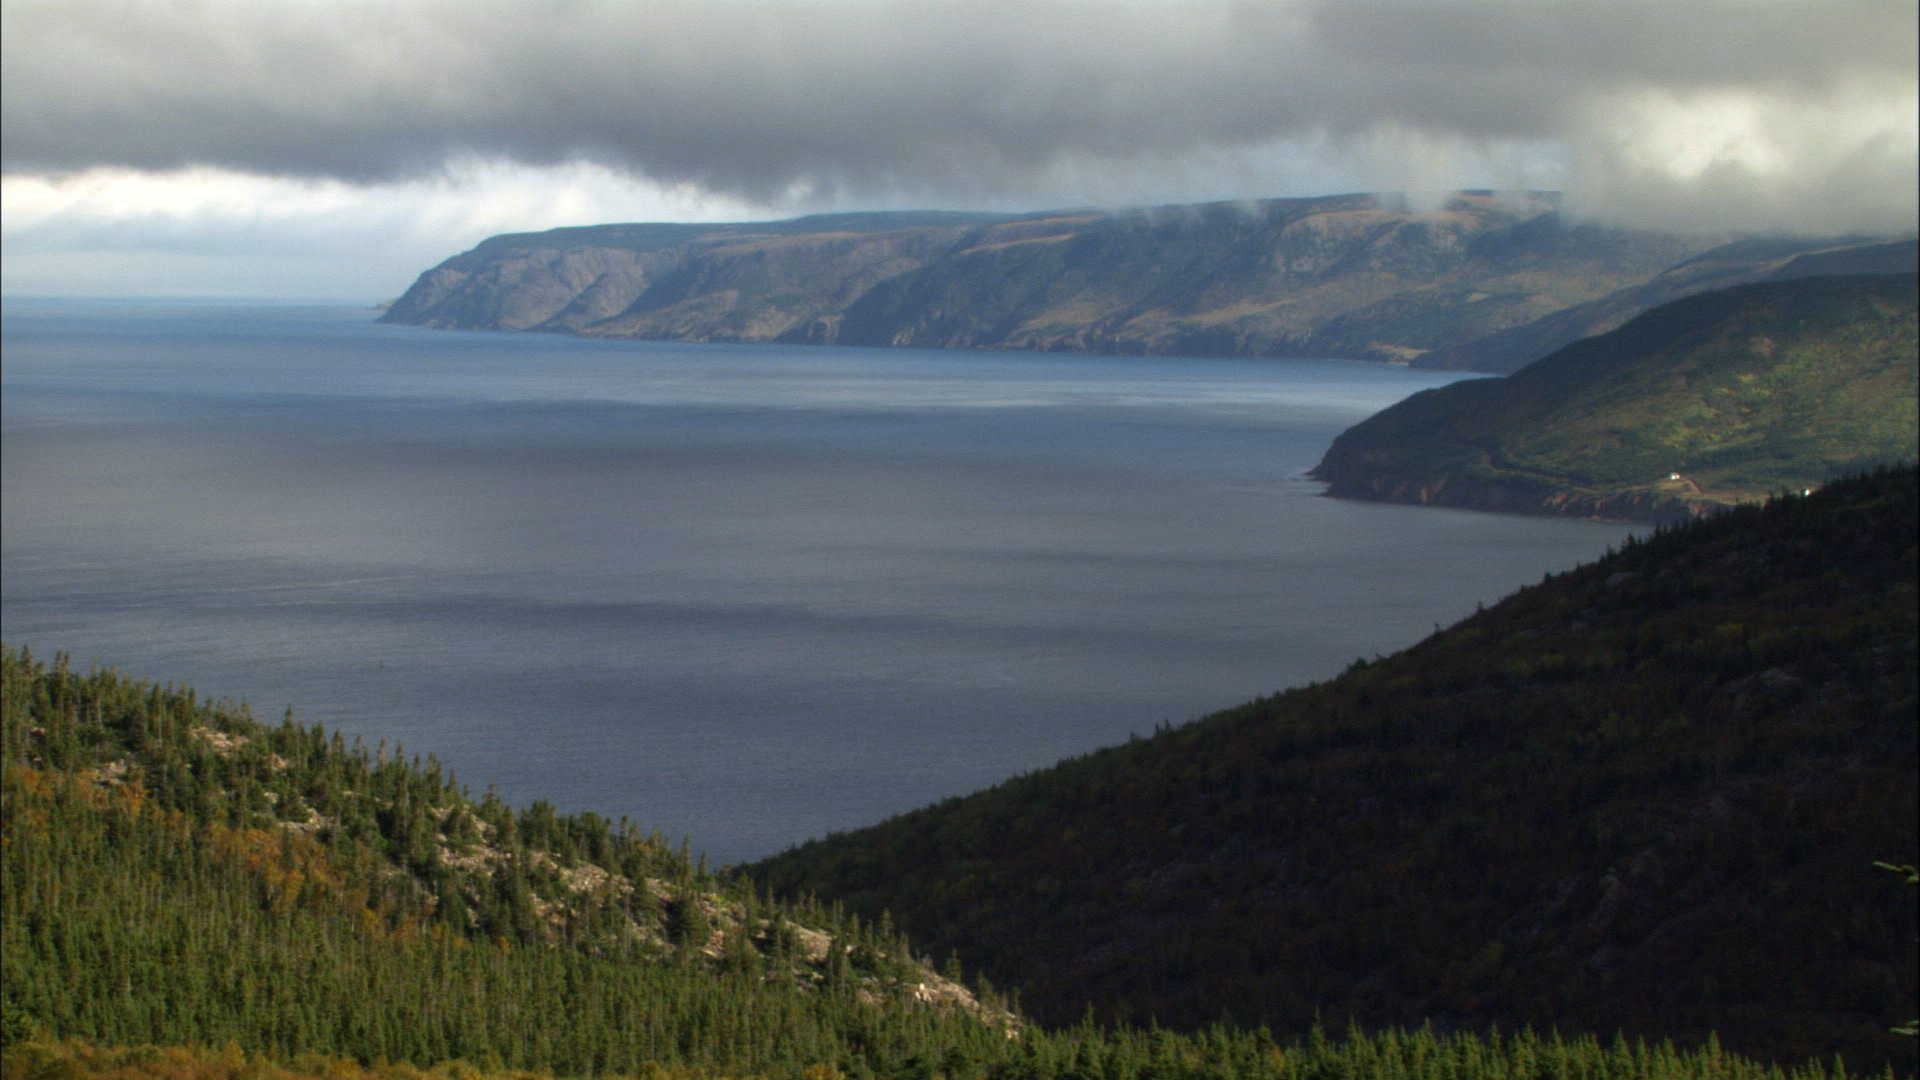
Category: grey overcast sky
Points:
column 335, row 148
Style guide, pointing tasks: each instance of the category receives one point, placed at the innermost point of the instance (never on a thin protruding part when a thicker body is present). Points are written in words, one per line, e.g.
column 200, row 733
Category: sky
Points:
column 334, row 149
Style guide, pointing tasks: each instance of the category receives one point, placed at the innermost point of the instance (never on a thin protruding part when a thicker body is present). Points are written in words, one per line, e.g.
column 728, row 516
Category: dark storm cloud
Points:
column 856, row 98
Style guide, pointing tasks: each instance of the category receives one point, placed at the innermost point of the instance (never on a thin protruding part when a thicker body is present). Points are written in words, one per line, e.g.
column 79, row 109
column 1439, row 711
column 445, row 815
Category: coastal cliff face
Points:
column 1720, row 398
column 1344, row 276
column 525, row 288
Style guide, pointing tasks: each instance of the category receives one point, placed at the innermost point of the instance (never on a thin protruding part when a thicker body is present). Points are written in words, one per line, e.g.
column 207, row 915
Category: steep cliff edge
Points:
column 1350, row 276
column 1719, row 398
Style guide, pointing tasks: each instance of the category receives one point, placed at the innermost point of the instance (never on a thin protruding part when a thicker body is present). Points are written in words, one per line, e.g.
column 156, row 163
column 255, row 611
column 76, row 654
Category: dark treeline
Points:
column 1646, row 795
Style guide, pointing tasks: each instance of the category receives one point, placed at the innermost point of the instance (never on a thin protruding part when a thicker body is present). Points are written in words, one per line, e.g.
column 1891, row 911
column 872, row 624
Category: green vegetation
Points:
column 176, row 873
column 1716, row 399
column 186, row 893
column 1646, row 795
column 1080, row 1054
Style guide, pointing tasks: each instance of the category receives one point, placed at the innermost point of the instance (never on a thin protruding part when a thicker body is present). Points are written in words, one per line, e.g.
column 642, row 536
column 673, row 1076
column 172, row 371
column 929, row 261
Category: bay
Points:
column 744, row 594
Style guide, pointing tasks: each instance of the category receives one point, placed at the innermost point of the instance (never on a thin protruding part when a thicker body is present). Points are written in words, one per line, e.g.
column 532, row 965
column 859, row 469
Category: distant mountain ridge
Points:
column 1355, row 276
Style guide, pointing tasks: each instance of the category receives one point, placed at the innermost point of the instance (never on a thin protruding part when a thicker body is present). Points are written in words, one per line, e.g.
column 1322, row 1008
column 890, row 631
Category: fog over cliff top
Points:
column 1765, row 114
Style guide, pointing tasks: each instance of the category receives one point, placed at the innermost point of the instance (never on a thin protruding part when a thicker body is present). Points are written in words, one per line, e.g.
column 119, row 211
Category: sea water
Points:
column 743, row 594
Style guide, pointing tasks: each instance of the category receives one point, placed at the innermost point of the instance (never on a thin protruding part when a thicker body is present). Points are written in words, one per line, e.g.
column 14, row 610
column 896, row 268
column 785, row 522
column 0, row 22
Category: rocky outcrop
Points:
column 1349, row 276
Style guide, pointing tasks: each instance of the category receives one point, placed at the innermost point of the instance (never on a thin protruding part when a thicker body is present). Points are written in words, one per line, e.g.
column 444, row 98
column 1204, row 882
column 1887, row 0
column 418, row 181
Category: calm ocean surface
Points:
column 744, row 594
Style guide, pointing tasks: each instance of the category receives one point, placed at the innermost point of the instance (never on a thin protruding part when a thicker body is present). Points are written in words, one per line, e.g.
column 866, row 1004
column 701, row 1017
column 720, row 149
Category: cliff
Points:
column 1346, row 276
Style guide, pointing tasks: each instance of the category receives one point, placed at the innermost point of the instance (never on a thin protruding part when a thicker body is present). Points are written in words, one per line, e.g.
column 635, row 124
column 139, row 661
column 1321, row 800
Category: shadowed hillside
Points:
column 1646, row 795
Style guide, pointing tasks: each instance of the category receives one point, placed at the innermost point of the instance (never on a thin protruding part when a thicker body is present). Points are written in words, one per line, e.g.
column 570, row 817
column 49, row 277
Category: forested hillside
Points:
column 178, row 873
column 1719, row 398
column 187, row 894
column 1646, row 795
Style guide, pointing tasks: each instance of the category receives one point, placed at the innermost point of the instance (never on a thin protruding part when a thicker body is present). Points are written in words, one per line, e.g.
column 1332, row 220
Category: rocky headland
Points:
column 1351, row 276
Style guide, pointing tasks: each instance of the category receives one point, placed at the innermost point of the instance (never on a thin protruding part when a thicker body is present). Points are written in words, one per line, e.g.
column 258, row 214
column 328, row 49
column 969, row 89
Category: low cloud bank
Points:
column 1793, row 114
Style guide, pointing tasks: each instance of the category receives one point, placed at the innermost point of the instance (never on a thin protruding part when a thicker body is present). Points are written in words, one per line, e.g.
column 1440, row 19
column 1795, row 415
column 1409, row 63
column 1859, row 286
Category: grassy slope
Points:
column 1761, row 388
column 1646, row 795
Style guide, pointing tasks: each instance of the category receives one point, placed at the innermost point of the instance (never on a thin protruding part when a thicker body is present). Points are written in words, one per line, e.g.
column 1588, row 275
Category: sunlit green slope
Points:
column 1719, row 398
